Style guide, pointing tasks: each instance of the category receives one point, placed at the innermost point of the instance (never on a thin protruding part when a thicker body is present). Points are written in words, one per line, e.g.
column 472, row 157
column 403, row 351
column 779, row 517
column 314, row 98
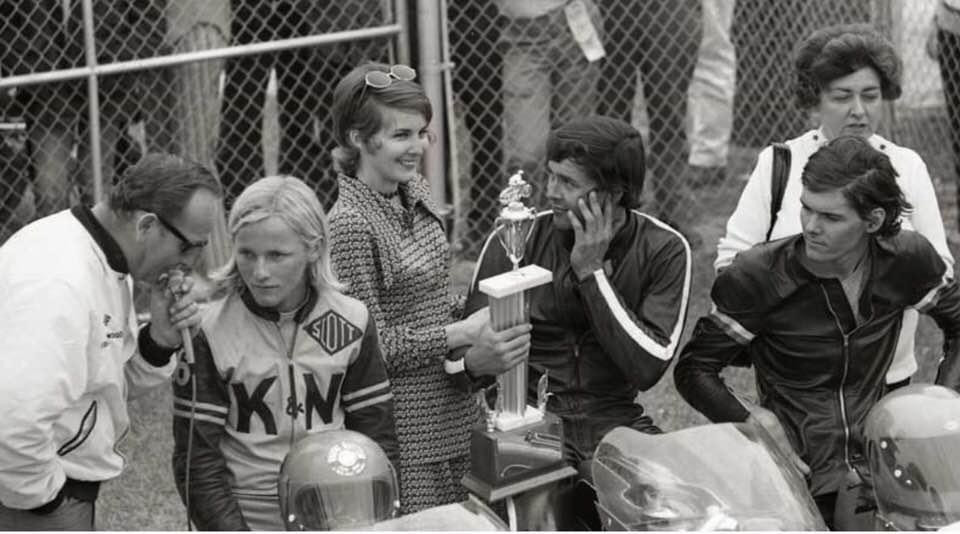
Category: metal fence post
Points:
column 431, row 65
column 93, row 93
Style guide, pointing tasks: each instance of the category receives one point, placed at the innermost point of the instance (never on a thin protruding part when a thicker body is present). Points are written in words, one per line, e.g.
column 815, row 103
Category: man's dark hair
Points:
column 162, row 184
column 609, row 150
column 837, row 51
column 863, row 174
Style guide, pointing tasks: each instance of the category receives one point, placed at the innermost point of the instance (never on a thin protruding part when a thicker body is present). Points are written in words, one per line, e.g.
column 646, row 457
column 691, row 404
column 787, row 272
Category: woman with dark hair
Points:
column 844, row 73
column 391, row 251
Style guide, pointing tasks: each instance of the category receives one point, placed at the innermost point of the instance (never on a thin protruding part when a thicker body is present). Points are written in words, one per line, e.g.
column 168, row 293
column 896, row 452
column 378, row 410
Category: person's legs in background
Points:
column 300, row 153
column 527, row 98
column 240, row 150
column 661, row 39
column 574, row 78
column 478, row 62
column 671, row 38
column 710, row 99
column 949, row 59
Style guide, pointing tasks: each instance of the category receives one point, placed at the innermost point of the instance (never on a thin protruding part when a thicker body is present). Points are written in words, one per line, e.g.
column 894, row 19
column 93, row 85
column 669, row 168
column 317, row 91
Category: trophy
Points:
column 519, row 447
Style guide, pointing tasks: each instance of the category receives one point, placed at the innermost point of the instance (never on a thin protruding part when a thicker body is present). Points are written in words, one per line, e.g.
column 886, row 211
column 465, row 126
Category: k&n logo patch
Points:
column 333, row 332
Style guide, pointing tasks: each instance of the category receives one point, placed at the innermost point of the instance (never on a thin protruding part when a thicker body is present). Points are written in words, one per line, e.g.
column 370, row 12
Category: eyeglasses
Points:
column 186, row 245
column 380, row 80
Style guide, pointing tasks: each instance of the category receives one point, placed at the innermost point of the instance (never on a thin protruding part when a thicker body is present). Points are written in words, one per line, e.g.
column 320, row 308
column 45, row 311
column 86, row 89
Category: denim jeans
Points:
column 547, row 81
column 72, row 514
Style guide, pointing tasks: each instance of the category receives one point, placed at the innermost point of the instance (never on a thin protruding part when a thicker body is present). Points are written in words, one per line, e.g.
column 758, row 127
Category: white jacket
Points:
column 750, row 220
column 68, row 347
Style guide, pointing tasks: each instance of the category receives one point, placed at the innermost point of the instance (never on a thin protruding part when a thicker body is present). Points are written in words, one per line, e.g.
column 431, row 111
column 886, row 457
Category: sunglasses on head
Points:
column 380, row 80
column 186, row 245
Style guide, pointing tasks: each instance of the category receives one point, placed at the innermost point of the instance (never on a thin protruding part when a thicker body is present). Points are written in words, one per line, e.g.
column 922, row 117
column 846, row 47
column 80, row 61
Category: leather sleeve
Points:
column 719, row 339
column 204, row 412
column 642, row 340
column 367, row 398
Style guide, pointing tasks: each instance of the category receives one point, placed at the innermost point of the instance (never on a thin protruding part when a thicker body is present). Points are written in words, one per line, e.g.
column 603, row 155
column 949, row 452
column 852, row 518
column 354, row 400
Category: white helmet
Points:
column 912, row 443
column 337, row 479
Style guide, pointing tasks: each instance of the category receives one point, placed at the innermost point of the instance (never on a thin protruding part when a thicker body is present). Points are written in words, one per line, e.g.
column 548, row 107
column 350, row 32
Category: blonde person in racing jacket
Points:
column 284, row 353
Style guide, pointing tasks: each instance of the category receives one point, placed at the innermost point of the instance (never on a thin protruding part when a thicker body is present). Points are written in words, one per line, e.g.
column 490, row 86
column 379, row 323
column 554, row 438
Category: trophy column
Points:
column 521, row 447
column 507, row 295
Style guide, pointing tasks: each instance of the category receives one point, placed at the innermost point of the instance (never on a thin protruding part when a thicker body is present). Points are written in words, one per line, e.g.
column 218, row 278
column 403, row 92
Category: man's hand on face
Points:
column 591, row 237
column 173, row 307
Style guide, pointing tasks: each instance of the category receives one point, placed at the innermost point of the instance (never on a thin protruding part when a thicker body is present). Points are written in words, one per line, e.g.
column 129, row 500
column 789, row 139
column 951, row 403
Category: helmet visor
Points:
column 917, row 480
column 342, row 506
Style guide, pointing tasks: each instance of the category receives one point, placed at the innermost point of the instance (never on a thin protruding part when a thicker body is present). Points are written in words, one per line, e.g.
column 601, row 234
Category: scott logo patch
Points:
column 333, row 332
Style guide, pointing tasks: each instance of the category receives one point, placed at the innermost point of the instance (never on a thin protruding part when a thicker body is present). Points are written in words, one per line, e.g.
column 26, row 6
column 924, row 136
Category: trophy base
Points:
column 509, row 421
column 508, row 462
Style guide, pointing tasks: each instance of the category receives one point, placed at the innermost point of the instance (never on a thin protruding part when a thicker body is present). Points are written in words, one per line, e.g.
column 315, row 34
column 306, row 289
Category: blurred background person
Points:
column 548, row 77
column 305, row 79
column 475, row 32
column 48, row 35
column 659, row 39
column 710, row 99
column 946, row 51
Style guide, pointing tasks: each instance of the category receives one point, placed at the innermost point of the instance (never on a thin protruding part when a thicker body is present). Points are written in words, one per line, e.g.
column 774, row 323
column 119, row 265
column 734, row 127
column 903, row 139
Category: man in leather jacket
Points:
column 818, row 314
column 608, row 325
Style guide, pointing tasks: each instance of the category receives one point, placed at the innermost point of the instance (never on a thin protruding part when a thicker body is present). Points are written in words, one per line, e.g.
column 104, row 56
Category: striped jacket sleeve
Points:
column 211, row 503
column 720, row 339
column 366, row 395
column 642, row 340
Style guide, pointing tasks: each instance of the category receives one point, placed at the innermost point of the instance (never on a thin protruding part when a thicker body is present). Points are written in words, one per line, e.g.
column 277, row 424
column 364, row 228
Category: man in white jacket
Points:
column 70, row 347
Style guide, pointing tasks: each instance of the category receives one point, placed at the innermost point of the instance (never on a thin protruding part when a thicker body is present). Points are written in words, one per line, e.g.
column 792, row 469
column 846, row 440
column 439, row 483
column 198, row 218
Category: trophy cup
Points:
column 519, row 447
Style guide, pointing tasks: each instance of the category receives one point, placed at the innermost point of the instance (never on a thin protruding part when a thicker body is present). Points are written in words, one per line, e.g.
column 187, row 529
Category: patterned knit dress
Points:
column 396, row 261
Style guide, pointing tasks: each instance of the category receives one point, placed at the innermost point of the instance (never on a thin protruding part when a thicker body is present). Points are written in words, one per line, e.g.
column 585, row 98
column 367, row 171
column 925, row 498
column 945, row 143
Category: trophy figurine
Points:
column 518, row 447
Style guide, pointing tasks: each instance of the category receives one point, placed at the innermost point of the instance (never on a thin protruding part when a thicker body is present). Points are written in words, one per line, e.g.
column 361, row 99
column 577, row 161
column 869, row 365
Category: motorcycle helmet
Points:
column 337, row 479
column 912, row 438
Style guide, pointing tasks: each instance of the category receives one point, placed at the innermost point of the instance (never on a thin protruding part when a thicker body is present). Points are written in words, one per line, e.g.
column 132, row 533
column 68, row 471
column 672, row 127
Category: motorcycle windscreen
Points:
column 343, row 506
column 917, row 480
column 711, row 477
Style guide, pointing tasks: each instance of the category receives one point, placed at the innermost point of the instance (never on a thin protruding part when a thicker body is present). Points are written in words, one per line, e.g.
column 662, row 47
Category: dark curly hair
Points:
column 609, row 150
column 863, row 174
column 837, row 51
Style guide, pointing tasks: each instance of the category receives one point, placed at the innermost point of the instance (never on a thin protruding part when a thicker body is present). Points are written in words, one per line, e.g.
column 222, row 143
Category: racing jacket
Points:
column 605, row 338
column 817, row 369
column 262, row 383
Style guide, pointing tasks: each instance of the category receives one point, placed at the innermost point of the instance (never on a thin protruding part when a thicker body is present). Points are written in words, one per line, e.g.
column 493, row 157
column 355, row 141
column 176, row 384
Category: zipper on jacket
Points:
column 843, row 379
column 293, row 404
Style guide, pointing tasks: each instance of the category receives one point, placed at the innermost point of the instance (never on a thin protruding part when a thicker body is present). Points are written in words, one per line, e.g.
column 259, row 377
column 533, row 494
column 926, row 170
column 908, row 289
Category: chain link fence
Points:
column 516, row 72
column 245, row 115
column 670, row 69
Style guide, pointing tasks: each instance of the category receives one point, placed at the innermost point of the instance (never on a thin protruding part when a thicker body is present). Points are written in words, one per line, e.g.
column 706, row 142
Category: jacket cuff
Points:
column 153, row 353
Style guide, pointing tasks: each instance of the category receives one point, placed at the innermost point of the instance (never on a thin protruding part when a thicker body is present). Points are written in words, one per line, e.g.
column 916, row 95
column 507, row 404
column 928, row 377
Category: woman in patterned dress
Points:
column 391, row 250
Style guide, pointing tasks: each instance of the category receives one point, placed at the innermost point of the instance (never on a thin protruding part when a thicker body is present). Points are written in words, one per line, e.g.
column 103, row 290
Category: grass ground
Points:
column 144, row 498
